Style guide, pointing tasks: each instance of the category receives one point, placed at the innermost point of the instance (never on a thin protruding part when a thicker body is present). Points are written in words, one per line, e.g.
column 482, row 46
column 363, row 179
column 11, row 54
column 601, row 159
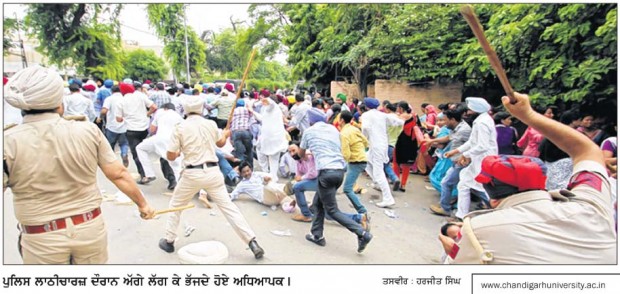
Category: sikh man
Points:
column 482, row 142
column 197, row 138
column 375, row 127
column 50, row 164
column 529, row 225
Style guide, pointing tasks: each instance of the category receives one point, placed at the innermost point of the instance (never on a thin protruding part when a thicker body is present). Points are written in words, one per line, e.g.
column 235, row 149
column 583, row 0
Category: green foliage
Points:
column 552, row 51
column 79, row 35
column 266, row 83
column 145, row 64
column 167, row 19
column 9, row 28
column 557, row 52
column 229, row 51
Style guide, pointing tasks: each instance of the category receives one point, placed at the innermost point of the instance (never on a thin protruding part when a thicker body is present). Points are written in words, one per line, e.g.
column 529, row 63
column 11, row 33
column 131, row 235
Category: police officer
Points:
column 50, row 164
column 197, row 137
column 529, row 225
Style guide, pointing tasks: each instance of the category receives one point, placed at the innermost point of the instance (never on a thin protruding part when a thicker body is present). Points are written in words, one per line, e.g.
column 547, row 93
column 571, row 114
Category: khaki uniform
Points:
column 532, row 228
column 51, row 166
column 195, row 138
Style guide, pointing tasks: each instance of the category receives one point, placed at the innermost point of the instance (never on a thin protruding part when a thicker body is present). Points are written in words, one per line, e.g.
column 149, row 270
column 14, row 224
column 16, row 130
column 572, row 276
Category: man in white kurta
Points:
column 482, row 142
column 166, row 119
column 375, row 128
column 272, row 139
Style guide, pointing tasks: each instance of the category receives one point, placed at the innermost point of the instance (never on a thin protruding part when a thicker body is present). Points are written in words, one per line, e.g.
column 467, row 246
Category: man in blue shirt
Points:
column 324, row 142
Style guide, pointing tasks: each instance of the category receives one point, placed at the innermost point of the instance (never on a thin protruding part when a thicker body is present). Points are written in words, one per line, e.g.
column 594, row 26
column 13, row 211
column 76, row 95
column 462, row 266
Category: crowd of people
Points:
column 302, row 143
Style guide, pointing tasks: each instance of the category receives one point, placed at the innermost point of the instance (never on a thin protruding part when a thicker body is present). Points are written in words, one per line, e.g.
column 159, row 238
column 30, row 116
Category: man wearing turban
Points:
column 272, row 140
column 197, row 138
column 50, row 164
column 482, row 142
column 133, row 112
column 529, row 225
column 375, row 128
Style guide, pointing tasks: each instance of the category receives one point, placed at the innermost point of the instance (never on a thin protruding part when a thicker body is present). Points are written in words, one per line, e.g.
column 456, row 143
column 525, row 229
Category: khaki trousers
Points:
column 211, row 180
column 86, row 243
column 273, row 195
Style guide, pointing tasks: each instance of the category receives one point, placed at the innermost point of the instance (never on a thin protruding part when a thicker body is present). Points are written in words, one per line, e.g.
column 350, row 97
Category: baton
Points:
column 470, row 16
column 174, row 209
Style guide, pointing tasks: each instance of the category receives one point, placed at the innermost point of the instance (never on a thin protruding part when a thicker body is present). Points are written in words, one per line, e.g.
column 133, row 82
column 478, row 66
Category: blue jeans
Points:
column 121, row 138
column 225, row 167
column 353, row 172
column 299, row 188
column 389, row 172
column 242, row 141
column 448, row 183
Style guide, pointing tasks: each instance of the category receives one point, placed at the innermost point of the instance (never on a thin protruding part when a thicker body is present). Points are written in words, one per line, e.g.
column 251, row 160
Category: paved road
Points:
column 411, row 238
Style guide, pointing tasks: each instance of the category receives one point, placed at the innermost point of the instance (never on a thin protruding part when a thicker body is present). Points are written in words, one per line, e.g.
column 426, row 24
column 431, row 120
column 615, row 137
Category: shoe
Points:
column 362, row 241
column 236, row 181
column 401, row 189
column 126, row 160
column 172, row 185
column 302, row 218
column 256, row 249
column 384, row 204
column 165, row 246
column 365, row 222
column 317, row 241
column 146, row 180
column 437, row 209
column 396, row 186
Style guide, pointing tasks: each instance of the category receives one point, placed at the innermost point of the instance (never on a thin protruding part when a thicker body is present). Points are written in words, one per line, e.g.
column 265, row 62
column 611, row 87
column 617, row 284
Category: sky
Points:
column 134, row 23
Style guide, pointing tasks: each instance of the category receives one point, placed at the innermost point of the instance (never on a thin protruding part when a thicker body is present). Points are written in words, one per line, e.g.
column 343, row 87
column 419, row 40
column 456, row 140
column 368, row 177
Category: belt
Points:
column 208, row 164
column 358, row 162
column 59, row 224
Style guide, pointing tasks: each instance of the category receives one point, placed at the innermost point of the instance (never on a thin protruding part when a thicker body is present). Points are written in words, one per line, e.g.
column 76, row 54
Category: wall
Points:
column 433, row 93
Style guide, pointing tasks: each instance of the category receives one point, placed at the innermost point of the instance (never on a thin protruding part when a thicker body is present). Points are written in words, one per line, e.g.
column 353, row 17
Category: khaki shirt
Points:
column 195, row 137
column 531, row 228
column 52, row 166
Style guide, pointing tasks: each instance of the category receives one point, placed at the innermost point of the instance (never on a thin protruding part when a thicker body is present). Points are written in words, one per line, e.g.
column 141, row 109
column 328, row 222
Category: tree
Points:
column 145, row 64
column 554, row 52
column 78, row 34
column 229, row 51
column 301, row 36
column 168, row 21
column 9, row 27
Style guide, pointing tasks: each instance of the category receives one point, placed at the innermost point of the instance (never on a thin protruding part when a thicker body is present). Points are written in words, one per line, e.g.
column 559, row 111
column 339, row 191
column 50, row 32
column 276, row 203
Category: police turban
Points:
column 193, row 104
column 34, row 87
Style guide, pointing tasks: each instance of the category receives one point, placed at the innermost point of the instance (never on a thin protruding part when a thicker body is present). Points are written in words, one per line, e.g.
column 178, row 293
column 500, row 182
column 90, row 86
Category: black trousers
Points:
column 325, row 202
column 221, row 123
column 166, row 169
column 134, row 138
